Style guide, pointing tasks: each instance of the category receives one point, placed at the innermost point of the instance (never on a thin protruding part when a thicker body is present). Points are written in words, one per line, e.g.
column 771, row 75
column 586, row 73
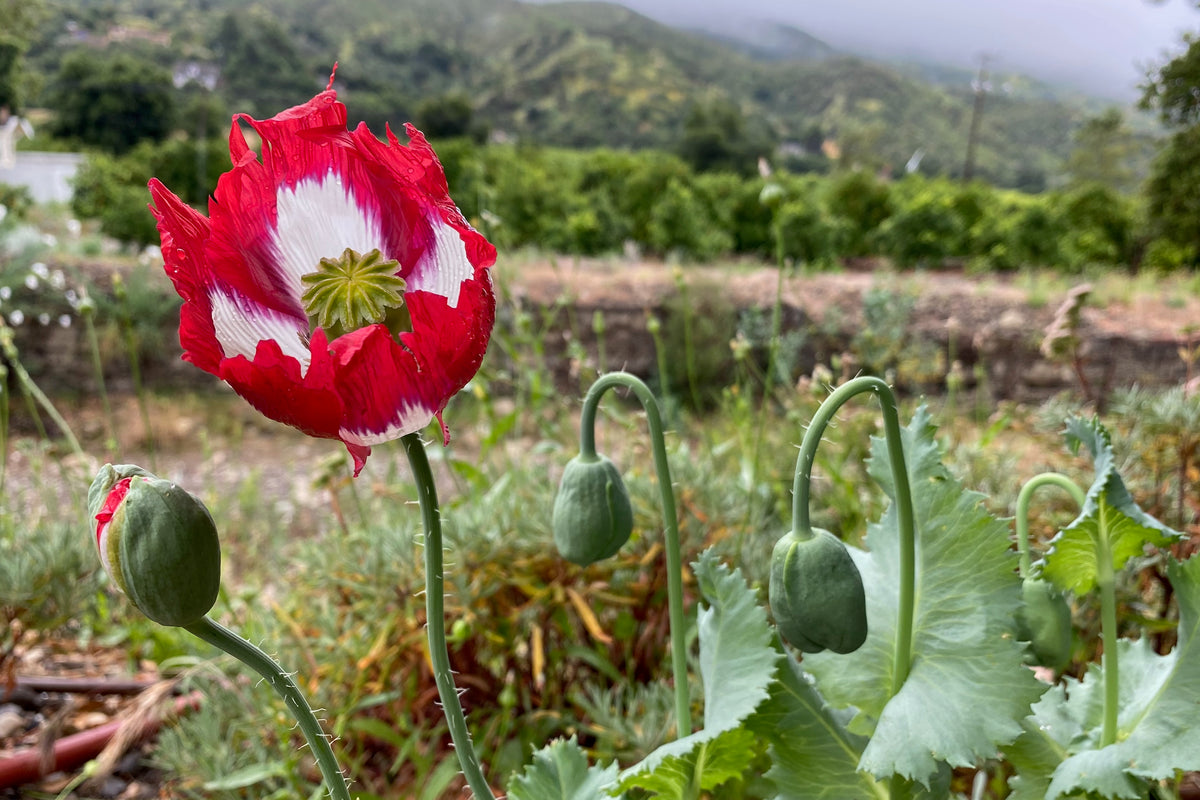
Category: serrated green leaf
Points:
column 1110, row 521
column 966, row 691
column 703, row 769
column 737, row 666
column 1043, row 745
column 737, row 659
column 560, row 771
column 1156, row 722
column 813, row 756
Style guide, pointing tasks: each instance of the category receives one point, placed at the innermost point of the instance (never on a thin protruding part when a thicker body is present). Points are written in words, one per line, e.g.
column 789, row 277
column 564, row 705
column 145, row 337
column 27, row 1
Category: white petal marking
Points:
column 445, row 266
column 101, row 538
column 240, row 325
column 319, row 218
column 407, row 420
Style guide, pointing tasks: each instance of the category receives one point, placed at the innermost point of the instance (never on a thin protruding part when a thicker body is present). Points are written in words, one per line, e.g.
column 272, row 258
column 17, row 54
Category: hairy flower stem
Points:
column 769, row 378
column 125, row 321
column 902, row 658
column 587, row 447
column 435, row 616
column 9, row 350
column 689, row 350
column 1023, row 501
column 281, row 681
column 1106, row 582
column 98, row 365
column 4, row 413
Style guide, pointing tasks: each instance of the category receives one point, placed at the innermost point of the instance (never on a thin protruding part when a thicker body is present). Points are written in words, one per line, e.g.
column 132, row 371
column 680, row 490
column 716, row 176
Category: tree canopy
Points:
column 112, row 99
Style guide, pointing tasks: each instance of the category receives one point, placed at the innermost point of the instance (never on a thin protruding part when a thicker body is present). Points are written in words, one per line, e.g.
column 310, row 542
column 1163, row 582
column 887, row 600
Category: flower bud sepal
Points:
column 593, row 517
column 816, row 593
column 157, row 542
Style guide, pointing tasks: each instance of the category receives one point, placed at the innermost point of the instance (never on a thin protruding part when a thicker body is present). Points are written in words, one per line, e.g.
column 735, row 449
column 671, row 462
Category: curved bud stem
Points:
column 1106, row 582
column 587, row 448
column 1023, row 501
column 283, row 684
column 801, row 526
column 435, row 616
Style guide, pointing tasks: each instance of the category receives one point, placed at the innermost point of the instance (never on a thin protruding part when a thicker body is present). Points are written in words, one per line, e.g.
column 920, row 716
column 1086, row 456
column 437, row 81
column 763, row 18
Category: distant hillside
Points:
column 769, row 41
column 588, row 74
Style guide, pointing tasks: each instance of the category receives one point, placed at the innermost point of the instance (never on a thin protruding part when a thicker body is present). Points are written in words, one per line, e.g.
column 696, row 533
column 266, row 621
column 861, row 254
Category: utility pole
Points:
column 981, row 87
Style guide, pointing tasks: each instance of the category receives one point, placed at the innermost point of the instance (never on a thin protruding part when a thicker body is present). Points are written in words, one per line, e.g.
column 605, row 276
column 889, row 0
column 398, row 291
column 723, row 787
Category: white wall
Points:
column 48, row 176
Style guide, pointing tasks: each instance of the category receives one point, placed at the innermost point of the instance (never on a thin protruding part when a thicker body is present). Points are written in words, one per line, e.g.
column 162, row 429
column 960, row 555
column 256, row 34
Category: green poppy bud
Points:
column 1044, row 620
column 157, row 542
column 592, row 514
column 816, row 594
column 771, row 195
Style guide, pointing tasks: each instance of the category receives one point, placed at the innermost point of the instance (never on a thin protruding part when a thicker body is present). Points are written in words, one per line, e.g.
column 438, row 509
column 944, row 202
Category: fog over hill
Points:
column 1101, row 47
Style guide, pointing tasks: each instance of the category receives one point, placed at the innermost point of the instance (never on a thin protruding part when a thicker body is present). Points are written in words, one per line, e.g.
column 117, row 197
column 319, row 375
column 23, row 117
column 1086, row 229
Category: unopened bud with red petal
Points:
column 157, row 542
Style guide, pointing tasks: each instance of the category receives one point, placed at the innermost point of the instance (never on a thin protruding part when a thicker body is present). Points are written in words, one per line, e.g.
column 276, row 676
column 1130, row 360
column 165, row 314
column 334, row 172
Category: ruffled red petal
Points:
column 385, row 391
column 184, row 233
column 274, row 384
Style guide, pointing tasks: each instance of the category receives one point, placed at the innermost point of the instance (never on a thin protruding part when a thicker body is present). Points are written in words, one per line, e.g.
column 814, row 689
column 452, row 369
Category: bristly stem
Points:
column 435, row 616
column 1023, row 501
column 689, row 351
column 125, row 319
column 1106, row 582
column 87, row 310
column 221, row 637
column 801, row 526
column 587, row 447
column 772, row 366
column 4, row 413
column 8, row 348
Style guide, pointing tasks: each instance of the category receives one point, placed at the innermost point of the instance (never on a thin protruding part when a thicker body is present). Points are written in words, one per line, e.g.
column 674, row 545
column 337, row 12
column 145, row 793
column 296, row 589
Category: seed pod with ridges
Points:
column 592, row 514
column 1044, row 620
column 816, row 594
column 157, row 542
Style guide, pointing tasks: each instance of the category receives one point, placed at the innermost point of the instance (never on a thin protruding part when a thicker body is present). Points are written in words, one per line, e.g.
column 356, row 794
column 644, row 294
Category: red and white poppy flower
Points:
column 319, row 193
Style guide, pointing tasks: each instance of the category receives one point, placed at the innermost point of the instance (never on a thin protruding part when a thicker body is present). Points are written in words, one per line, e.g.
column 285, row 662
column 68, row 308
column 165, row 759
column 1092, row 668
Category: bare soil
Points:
column 972, row 300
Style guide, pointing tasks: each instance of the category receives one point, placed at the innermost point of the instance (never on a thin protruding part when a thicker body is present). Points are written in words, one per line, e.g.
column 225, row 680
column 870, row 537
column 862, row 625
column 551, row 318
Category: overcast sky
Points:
column 1101, row 46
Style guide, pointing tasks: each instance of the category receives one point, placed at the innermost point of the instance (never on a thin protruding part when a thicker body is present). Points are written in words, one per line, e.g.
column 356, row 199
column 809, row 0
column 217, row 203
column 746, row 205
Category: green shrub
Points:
column 16, row 201
column 113, row 190
column 808, row 234
column 925, row 230
column 680, row 224
column 863, row 203
column 1099, row 226
column 1168, row 255
column 1037, row 234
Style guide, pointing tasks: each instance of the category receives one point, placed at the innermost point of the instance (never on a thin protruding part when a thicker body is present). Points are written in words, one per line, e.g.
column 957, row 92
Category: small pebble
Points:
column 11, row 722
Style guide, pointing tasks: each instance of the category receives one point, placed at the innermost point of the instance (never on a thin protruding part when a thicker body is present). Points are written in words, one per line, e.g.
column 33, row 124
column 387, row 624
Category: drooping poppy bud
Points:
column 592, row 514
column 816, row 594
column 1044, row 620
column 157, row 542
column 771, row 195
